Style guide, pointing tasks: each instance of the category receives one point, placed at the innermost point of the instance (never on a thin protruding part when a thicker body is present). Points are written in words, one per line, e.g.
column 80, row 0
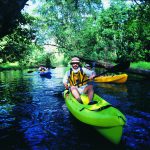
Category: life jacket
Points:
column 79, row 77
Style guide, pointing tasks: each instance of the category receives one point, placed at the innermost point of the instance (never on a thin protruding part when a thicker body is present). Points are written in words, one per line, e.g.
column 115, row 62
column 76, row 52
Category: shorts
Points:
column 81, row 88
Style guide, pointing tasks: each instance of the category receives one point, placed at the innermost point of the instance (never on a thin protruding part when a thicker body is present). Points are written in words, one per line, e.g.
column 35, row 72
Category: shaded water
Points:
column 33, row 114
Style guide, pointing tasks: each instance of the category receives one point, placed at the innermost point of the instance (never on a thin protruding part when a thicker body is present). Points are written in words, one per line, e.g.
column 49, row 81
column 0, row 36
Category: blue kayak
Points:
column 45, row 73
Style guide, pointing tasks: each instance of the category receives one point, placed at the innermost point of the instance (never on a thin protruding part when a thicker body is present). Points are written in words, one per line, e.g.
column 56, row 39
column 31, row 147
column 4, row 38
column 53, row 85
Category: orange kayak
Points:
column 122, row 78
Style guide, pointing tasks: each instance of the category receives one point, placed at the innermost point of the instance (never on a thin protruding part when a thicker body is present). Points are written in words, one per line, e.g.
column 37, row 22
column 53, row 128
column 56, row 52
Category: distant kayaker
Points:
column 73, row 80
column 42, row 68
column 88, row 66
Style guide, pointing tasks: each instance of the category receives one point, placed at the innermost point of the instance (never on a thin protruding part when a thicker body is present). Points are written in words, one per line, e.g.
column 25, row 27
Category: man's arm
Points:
column 66, row 86
column 90, row 73
column 65, row 81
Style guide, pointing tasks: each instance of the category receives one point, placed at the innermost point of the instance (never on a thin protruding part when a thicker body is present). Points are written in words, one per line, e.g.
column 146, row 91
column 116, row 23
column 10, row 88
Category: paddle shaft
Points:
column 116, row 68
column 93, row 78
column 30, row 71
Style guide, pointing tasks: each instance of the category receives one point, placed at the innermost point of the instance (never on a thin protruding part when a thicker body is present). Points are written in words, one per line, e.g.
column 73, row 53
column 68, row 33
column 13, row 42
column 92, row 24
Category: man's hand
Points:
column 92, row 77
column 66, row 86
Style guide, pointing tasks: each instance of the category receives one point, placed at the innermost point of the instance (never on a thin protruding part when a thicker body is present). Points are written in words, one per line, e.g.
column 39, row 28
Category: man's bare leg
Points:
column 76, row 94
column 90, row 92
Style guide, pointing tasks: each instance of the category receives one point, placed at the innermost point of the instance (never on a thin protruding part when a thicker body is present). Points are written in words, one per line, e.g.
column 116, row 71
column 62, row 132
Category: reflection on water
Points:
column 134, row 102
column 33, row 114
column 114, row 87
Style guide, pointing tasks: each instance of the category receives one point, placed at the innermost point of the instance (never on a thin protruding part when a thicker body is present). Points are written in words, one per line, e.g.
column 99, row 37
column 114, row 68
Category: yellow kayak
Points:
column 107, row 120
column 122, row 78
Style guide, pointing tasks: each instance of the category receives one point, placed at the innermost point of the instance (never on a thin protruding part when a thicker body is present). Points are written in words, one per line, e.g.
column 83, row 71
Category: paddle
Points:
column 117, row 68
column 30, row 71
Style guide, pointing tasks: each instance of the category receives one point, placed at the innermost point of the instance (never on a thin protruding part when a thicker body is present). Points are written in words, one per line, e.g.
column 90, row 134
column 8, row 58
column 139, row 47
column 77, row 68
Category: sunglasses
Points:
column 75, row 63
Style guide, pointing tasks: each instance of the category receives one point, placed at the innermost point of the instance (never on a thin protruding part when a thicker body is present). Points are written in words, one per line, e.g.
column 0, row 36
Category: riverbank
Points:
column 17, row 66
column 9, row 66
column 140, row 68
column 12, row 66
column 140, row 65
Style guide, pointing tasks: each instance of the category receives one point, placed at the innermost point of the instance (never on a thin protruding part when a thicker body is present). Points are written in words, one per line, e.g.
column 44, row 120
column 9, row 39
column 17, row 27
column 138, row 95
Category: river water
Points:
column 33, row 114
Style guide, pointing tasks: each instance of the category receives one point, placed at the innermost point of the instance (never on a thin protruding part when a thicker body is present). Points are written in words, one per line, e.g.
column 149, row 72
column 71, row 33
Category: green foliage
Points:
column 81, row 28
column 15, row 46
column 86, row 29
column 141, row 65
column 8, row 65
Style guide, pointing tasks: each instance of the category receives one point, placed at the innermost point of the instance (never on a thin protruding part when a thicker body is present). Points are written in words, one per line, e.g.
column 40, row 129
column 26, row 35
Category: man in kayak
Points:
column 89, row 67
column 74, row 80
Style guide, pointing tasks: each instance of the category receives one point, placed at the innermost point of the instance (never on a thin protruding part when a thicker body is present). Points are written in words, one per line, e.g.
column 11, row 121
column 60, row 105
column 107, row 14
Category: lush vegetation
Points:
column 141, row 65
column 9, row 65
column 82, row 28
